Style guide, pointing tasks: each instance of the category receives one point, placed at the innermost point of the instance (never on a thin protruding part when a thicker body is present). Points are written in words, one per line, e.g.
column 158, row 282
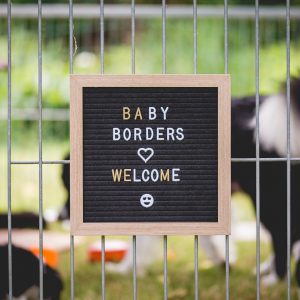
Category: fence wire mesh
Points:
column 40, row 162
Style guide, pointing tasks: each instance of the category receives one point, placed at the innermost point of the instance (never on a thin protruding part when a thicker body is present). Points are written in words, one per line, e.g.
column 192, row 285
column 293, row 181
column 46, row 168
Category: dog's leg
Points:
column 280, row 254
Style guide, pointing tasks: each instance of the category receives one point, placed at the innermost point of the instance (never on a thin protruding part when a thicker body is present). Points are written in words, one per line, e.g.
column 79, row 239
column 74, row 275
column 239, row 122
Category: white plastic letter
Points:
column 116, row 134
column 152, row 113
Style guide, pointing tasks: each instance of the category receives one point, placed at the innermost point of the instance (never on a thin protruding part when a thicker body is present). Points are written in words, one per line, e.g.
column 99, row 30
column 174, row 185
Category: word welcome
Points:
column 154, row 175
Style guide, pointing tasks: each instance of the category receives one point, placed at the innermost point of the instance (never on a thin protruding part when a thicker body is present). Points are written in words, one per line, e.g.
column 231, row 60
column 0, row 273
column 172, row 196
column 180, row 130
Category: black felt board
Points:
column 192, row 199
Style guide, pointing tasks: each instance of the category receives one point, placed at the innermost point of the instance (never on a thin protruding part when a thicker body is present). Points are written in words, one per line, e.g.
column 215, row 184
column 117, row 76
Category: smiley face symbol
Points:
column 147, row 200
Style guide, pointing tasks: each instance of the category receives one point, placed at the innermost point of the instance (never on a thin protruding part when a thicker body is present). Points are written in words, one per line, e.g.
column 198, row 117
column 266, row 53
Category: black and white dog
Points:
column 25, row 275
column 273, row 175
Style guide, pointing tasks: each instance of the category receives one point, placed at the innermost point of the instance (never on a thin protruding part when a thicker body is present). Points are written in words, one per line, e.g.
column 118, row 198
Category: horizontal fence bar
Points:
column 36, row 162
column 32, row 114
column 91, row 11
column 265, row 159
column 235, row 160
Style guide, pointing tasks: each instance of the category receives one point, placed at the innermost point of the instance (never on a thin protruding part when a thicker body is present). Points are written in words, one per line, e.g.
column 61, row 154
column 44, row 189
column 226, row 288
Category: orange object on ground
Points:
column 115, row 251
column 54, row 242
column 50, row 256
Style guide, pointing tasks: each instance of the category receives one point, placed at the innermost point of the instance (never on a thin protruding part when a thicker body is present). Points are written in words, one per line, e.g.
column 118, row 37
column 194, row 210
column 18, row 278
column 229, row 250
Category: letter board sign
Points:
column 150, row 154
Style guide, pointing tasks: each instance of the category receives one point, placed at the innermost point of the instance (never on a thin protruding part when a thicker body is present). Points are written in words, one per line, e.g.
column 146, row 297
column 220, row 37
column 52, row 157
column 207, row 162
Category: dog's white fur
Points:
column 273, row 126
column 267, row 266
column 31, row 294
column 270, row 279
column 296, row 251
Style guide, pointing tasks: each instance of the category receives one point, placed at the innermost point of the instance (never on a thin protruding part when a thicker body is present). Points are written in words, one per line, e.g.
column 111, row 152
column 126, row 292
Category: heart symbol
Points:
column 145, row 154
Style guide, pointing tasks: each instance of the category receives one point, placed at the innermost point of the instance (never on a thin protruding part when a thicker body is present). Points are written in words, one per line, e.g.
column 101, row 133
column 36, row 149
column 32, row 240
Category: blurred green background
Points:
column 118, row 61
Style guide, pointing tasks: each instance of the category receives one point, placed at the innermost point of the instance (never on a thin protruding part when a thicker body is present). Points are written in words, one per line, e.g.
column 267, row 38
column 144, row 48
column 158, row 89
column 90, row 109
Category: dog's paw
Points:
column 267, row 266
column 117, row 268
column 270, row 279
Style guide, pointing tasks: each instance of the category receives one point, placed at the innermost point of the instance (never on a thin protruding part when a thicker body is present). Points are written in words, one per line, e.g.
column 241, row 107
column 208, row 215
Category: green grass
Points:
column 180, row 276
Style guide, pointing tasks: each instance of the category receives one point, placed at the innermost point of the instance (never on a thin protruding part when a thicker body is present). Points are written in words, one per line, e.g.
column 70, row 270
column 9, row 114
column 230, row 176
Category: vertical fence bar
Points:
column 257, row 154
column 102, row 35
column 133, row 72
column 72, row 267
column 71, row 35
column 10, row 284
column 164, row 36
column 196, row 242
column 226, row 36
column 226, row 71
column 195, row 31
column 134, row 267
column 288, row 96
column 71, row 71
column 103, row 266
column 40, row 70
column 196, row 268
column 133, row 36
column 164, row 72
column 165, row 267
column 102, row 72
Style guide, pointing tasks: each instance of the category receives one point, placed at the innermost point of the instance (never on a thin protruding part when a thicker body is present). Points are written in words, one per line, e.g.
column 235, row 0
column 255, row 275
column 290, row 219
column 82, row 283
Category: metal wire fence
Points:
column 100, row 14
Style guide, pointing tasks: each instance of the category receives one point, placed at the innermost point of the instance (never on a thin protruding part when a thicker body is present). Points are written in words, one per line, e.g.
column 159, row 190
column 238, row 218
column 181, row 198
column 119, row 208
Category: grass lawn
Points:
column 181, row 255
column 180, row 276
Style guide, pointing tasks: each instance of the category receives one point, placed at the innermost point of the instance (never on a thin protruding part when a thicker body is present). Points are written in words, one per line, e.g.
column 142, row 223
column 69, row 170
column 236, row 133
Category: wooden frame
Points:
column 78, row 227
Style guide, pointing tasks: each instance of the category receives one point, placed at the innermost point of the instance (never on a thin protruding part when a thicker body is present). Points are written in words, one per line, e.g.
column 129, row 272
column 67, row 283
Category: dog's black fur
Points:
column 273, row 178
column 65, row 212
column 25, row 272
column 21, row 220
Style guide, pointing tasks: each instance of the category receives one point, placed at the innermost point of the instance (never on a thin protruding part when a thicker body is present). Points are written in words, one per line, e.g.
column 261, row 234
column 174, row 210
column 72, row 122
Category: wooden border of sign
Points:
column 78, row 227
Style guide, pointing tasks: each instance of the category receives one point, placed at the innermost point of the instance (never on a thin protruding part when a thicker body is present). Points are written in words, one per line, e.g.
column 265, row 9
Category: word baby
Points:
column 148, row 133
